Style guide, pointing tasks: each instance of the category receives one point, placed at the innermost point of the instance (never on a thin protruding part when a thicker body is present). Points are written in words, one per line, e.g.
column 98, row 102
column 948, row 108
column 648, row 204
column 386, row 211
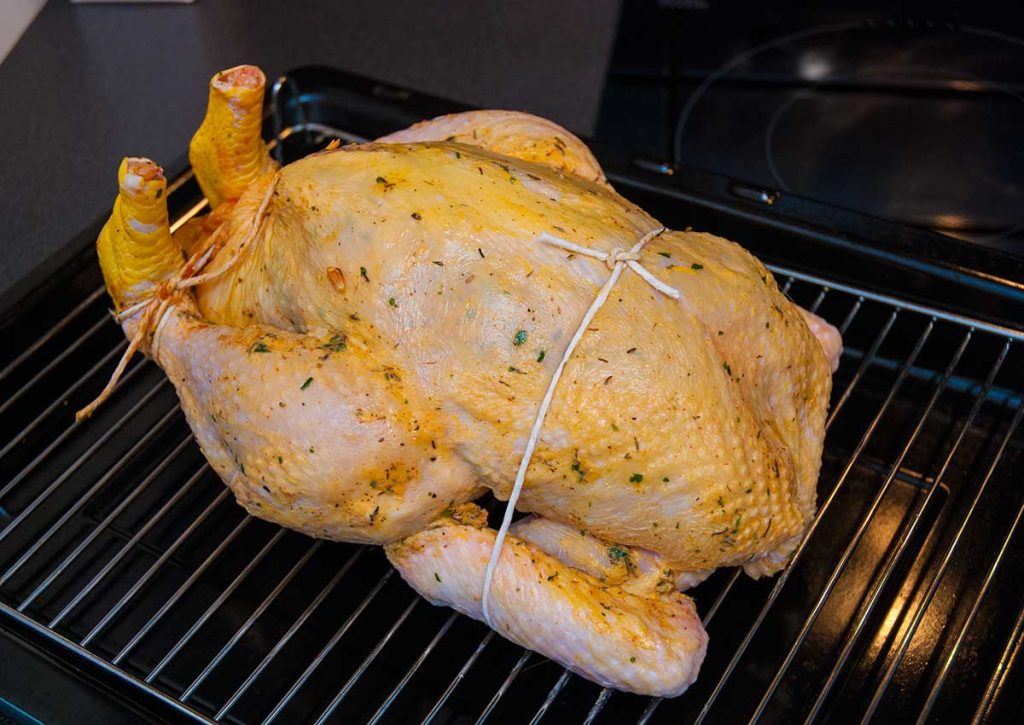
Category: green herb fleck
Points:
column 392, row 302
column 615, row 428
column 666, row 255
column 550, row 578
column 280, row 459
column 309, row 381
column 728, row 369
column 519, row 338
column 337, row 343
column 363, row 274
column 437, row 576
column 260, row 346
column 373, row 515
column 665, row 479
column 617, row 553
column 636, row 478
column 632, row 659
column 736, row 524
column 696, row 265
column 579, row 470
column 438, row 262
column 721, row 501
column 540, row 356
column 512, row 369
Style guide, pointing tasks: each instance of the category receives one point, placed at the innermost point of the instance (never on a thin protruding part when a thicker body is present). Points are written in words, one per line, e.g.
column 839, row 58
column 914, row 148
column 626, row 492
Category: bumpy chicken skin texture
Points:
column 691, row 429
column 313, row 432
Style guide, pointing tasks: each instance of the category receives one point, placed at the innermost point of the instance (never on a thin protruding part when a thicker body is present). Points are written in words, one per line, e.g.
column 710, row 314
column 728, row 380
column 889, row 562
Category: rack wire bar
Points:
column 328, row 648
column 103, row 665
column 911, row 630
column 154, row 567
column 287, row 636
column 1014, row 645
column 185, row 638
column 128, row 546
column 854, row 542
column 869, row 359
column 94, row 489
column 343, row 693
column 94, row 533
column 552, row 694
column 413, row 668
column 940, row 679
column 889, row 300
column 459, row 676
column 512, row 675
column 51, row 333
column 598, row 706
column 181, row 590
column 54, row 362
column 257, row 613
column 57, row 482
column 878, row 584
column 103, row 363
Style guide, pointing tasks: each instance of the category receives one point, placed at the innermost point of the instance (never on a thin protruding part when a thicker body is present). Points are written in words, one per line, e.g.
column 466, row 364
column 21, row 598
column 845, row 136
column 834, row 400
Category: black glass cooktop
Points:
column 911, row 113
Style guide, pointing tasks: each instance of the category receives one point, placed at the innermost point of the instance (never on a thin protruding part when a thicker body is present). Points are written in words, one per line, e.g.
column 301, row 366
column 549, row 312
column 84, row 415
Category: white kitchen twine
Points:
column 617, row 260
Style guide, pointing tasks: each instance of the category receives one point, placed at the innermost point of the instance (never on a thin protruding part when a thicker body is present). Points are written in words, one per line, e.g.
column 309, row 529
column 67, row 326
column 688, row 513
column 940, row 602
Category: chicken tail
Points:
column 227, row 152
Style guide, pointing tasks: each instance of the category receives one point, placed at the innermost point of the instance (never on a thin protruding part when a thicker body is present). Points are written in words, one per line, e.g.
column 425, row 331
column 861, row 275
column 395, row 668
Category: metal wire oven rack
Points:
column 119, row 546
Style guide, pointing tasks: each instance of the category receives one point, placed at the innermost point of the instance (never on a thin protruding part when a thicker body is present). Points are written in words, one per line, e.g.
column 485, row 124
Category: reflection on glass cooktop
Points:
column 915, row 118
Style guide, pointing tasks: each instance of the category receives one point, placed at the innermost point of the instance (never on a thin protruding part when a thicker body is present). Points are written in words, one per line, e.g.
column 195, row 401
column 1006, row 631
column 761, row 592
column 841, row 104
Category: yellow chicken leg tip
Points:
column 227, row 152
column 135, row 247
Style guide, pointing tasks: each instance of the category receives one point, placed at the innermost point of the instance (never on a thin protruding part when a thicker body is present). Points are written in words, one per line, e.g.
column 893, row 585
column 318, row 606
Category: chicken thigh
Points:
column 365, row 349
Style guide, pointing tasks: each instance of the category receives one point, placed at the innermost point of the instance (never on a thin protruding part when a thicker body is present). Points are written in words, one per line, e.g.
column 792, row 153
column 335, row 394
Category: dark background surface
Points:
column 89, row 84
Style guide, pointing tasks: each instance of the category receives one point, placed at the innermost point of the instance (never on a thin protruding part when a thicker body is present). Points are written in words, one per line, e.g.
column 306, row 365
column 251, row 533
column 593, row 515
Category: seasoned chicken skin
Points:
column 366, row 347
column 652, row 643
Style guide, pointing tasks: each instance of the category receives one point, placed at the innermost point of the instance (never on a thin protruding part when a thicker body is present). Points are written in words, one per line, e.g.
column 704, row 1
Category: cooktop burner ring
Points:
column 905, row 182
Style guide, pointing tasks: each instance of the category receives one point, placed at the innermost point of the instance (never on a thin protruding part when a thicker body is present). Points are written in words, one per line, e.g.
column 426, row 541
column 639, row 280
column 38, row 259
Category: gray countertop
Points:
column 89, row 84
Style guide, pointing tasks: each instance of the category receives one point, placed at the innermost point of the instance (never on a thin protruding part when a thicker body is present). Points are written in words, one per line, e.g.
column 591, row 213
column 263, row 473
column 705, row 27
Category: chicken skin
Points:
column 361, row 339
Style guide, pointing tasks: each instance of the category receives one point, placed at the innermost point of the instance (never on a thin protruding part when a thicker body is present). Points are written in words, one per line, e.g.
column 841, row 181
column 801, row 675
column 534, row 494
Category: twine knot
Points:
column 618, row 254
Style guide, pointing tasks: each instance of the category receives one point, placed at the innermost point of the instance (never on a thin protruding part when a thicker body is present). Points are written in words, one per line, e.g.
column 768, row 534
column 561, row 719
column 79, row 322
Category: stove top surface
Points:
column 907, row 117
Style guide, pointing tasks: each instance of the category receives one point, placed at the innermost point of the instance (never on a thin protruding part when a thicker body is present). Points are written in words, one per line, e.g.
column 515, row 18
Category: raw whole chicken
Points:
column 360, row 341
